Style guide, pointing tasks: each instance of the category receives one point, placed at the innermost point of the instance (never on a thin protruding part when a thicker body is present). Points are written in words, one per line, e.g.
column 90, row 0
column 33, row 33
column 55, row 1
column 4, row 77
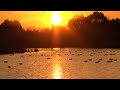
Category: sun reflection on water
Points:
column 57, row 74
column 56, row 48
column 57, row 68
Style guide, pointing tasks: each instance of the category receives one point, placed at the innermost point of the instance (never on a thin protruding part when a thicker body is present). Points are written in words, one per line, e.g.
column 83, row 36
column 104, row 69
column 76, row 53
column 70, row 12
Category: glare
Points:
column 57, row 72
column 56, row 18
column 57, row 68
column 56, row 48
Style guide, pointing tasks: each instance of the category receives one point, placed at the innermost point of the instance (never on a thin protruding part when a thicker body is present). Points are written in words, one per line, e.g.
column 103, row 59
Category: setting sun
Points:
column 56, row 18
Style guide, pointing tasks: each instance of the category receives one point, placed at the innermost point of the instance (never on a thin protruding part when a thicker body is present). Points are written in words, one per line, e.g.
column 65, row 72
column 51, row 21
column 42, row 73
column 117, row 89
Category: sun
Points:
column 56, row 18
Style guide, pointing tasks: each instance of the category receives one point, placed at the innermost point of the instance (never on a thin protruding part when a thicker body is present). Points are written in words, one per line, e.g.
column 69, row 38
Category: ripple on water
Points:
column 65, row 63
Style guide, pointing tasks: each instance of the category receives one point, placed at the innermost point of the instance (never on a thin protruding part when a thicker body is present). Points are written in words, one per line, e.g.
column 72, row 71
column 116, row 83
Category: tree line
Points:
column 92, row 31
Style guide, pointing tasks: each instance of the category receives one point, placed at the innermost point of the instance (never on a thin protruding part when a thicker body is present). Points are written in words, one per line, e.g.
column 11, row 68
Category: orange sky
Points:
column 42, row 19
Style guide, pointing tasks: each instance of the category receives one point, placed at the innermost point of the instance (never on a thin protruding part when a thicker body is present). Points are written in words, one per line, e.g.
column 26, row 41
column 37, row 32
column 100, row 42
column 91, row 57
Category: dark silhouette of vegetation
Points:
column 92, row 31
column 96, row 30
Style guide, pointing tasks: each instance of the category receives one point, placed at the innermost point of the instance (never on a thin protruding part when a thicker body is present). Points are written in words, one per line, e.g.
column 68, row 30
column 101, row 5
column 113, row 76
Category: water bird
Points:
column 36, row 50
column 20, row 63
column 109, row 61
column 105, row 54
column 29, row 55
column 115, row 59
column 5, row 61
column 41, row 54
column 90, row 59
column 48, row 58
column 97, row 61
column 9, row 66
column 100, row 59
column 85, row 61
column 70, row 58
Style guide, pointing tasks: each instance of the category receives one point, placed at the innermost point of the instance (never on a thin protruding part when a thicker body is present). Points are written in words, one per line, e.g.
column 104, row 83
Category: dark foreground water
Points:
column 62, row 63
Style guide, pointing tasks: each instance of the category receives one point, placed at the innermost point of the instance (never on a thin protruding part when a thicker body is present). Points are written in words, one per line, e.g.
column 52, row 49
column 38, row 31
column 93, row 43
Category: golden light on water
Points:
column 57, row 68
column 57, row 74
column 56, row 48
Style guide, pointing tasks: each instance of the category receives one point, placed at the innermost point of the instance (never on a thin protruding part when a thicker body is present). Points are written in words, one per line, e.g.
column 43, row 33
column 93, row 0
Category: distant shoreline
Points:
column 7, row 51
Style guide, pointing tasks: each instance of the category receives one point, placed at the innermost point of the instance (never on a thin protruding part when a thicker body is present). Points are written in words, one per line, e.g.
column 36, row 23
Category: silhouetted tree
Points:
column 12, row 25
column 94, row 30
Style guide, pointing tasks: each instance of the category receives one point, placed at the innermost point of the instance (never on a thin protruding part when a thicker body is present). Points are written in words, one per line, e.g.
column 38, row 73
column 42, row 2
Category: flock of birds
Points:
column 10, row 66
column 94, row 52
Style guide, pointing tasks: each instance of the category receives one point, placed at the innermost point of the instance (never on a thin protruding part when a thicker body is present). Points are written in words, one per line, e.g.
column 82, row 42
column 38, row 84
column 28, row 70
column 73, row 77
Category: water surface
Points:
column 62, row 63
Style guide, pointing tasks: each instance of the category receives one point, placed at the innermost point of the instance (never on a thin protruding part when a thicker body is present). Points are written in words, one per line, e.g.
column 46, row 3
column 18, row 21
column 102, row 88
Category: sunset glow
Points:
column 44, row 19
column 56, row 18
column 59, row 45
